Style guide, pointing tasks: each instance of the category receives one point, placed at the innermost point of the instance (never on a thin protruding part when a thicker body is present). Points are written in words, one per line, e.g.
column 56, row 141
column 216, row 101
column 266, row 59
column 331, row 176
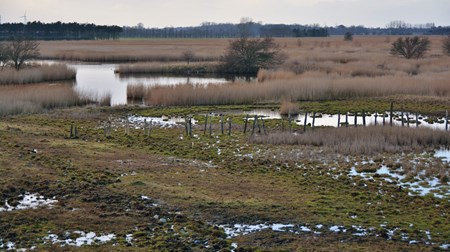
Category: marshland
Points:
column 98, row 130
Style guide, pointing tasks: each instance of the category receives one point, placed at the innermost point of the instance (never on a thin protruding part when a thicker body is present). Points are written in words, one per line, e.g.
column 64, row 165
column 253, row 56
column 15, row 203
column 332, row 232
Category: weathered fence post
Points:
column 384, row 118
column 364, row 118
column 290, row 122
column 346, row 119
column 245, row 124
column 145, row 127
column 221, row 123
column 190, row 126
column 206, row 124
column 417, row 120
column 76, row 132
column 186, row 126
column 446, row 120
column 71, row 130
column 210, row 126
column 314, row 119
column 254, row 124
column 229, row 126
column 304, row 123
column 407, row 119
column 264, row 126
column 356, row 119
column 376, row 115
column 339, row 119
column 126, row 125
column 392, row 113
column 403, row 122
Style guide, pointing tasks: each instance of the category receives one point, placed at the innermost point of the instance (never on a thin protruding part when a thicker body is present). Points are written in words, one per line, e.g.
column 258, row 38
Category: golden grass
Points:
column 310, row 86
column 363, row 140
column 164, row 68
column 42, row 73
column 33, row 98
column 133, row 50
column 136, row 91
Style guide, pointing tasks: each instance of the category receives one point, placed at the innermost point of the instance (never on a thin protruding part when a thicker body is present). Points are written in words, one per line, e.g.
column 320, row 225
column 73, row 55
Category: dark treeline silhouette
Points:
column 58, row 31
column 76, row 31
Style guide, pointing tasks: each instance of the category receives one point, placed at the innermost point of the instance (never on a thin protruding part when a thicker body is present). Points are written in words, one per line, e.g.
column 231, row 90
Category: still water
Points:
column 99, row 80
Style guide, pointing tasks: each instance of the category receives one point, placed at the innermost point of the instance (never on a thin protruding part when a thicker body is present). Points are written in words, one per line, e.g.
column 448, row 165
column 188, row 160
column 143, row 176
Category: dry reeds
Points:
column 136, row 91
column 367, row 140
column 105, row 100
column 310, row 86
column 33, row 98
column 289, row 108
column 173, row 68
column 43, row 73
column 266, row 75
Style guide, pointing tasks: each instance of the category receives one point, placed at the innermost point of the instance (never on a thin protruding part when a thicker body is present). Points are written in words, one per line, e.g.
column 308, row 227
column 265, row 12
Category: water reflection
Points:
column 99, row 80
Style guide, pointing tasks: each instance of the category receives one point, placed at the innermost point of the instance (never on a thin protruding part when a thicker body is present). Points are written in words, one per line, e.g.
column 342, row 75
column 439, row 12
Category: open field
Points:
column 130, row 178
column 174, row 192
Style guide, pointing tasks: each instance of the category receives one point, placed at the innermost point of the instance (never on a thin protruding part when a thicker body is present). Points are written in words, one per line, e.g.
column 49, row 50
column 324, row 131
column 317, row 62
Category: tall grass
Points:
column 311, row 86
column 136, row 91
column 33, row 98
column 173, row 68
column 363, row 140
column 42, row 73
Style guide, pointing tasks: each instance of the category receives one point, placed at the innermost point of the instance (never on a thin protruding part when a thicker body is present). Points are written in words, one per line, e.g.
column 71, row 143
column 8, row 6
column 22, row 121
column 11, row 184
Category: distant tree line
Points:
column 59, row 31
column 76, row 31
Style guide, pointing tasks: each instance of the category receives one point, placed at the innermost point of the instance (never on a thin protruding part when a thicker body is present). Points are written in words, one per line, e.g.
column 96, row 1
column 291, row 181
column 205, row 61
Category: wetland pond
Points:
column 99, row 80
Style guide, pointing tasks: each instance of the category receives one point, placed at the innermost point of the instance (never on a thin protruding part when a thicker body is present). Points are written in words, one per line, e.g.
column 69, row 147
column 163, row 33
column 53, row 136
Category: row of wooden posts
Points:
column 258, row 124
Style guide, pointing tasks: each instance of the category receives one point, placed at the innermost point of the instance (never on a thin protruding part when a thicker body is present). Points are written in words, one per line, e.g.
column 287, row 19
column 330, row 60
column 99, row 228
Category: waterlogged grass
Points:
column 169, row 190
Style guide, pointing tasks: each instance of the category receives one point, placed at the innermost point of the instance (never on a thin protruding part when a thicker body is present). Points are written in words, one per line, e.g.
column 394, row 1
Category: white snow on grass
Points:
column 83, row 238
column 443, row 154
column 419, row 186
column 29, row 201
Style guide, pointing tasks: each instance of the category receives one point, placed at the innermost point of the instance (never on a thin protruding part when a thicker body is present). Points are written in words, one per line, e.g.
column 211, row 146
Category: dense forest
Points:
column 76, row 31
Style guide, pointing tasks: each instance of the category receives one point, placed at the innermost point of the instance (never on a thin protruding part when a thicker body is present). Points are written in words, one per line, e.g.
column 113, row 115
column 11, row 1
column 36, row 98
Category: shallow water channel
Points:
column 99, row 80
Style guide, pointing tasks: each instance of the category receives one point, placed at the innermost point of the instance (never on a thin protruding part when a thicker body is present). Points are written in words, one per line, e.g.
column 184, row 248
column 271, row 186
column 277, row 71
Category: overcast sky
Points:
column 163, row 13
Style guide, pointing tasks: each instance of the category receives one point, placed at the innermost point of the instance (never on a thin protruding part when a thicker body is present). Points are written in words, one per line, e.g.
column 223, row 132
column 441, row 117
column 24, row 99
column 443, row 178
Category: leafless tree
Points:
column 4, row 58
column 188, row 56
column 409, row 48
column 446, row 45
column 21, row 50
column 246, row 55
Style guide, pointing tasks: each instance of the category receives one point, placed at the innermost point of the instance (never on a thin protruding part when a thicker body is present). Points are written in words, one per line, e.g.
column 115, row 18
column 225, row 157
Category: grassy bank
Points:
column 173, row 68
column 42, row 73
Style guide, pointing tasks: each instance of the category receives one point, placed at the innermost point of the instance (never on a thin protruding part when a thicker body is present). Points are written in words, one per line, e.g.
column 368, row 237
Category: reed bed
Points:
column 363, row 140
column 42, row 73
column 308, row 87
column 173, row 68
column 34, row 98
column 136, row 91
column 289, row 108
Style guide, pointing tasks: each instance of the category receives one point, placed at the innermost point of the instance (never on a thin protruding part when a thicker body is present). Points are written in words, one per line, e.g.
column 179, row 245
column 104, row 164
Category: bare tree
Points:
column 21, row 50
column 446, row 45
column 245, row 55
column 188, row 56
column 414, row 47
column 348, row 36
column 4, row 58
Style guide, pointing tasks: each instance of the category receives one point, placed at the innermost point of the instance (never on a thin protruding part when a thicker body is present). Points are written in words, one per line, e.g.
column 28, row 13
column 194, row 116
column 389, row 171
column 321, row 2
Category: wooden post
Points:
column 376, row 115
column 71, row 130
column 263, row 126
column 356, row 119
column 246, row 122
column 186, row 126
column 314, row 120
column 221, row 123
column 392, row 113
column 254, row 124
column 403, row 122
column 190, row 126
column 446, row 120
column 210, row 126
column 206, row 124
column 339, row 119
column 145, row 127
column 229, row 126
column 417, row 120
column 346, row 119
column 364, row 118
column 304, row 123
column 290, row 125
column 126, row 126
column 407, row 119
column 259, row 126
column 76, row 131
column 384, row 119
